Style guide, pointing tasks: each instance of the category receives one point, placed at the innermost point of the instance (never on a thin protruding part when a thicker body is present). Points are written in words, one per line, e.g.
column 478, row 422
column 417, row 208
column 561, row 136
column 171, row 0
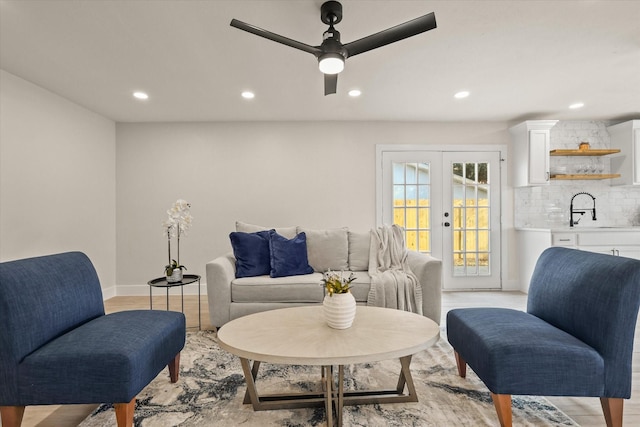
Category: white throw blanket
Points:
column 393, row 285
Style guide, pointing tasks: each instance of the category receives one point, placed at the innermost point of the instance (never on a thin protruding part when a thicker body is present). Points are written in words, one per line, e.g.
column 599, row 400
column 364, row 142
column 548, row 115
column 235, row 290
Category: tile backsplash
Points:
column 616, row 206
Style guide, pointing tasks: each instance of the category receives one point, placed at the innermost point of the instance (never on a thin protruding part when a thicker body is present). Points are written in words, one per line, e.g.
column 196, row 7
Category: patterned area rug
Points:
column 211, row 389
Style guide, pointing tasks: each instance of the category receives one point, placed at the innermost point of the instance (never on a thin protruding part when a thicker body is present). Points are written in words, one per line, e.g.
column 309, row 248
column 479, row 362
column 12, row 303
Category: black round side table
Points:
column 187, row 279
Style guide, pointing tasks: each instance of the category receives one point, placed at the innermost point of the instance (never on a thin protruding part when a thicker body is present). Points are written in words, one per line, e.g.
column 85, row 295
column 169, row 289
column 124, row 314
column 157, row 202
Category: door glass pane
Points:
column 424, row 177
column 398, row 173
column 471, row 219
column 483, row 263
column 412, row 203
column 411, row 195
column 424, row 241
column 483, row 195
column 411, row 173
column 412, row 240
column 471, row 241
column 423, row 218
column 411, row 221
column 398, row 195
column 483, row 241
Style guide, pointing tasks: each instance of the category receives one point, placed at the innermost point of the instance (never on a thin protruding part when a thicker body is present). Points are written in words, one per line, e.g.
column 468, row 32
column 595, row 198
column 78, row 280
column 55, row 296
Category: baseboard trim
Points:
column 143, row 290
column 512, row 285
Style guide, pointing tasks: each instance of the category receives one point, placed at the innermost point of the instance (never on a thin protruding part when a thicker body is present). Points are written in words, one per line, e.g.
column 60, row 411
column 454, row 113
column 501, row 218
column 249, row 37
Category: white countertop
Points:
column 578, row 229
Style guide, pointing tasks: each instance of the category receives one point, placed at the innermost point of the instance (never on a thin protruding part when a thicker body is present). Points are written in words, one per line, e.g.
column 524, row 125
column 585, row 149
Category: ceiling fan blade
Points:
column 393, row 34
column 330, row 84
column 276, row 37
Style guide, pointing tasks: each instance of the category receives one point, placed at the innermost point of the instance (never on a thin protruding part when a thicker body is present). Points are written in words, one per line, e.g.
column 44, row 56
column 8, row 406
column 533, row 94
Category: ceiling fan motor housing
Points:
column 331, row 44
column 331, row 12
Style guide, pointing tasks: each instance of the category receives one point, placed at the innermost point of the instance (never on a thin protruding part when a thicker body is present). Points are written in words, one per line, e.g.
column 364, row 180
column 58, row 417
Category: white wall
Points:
column 315, row 174
column 57, row 178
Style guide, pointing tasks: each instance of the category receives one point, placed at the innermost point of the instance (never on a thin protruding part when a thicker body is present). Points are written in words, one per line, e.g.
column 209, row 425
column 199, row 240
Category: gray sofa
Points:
column 338, row 249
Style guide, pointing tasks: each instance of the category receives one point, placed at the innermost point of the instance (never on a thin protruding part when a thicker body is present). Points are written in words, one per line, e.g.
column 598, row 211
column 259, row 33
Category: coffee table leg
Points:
column 327, row 373
column 254, row 374
column 340, row 394
column 406, row 378
column 250, row 376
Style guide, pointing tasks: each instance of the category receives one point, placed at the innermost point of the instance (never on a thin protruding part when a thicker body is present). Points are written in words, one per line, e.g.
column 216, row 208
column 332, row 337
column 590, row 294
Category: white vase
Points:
column 339, row 310
column 176, row 276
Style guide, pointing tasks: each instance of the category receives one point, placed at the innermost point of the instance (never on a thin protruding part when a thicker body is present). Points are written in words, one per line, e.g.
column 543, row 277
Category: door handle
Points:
column 446, row 224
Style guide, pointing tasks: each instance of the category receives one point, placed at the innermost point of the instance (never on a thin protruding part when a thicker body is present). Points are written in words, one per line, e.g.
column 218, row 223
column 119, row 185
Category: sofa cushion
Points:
column 304, row 288
column 288, row 256
column 327, row 249
column 359, row 247
column 288, row 232
column 251, row 250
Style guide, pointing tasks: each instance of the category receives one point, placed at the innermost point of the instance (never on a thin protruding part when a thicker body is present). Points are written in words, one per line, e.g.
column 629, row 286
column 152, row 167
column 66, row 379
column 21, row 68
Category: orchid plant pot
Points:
column 176, row 276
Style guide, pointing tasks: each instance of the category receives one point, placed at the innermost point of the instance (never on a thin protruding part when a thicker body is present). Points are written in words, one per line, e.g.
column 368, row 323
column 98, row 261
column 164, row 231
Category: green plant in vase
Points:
column 336, row 283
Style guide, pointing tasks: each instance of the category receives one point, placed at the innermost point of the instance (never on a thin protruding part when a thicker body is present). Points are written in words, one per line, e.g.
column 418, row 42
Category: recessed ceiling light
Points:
column 576, row 105
column 140, row 95
column 461, row 94
column 355, row 93
column 248, row 95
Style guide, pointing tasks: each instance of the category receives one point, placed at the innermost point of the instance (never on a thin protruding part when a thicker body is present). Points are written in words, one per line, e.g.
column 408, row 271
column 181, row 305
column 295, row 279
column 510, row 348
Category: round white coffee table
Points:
column 300, row 336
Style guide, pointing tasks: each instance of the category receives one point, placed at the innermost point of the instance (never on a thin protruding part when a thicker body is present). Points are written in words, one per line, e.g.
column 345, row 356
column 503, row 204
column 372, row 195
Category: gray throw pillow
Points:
column 327, row 249
column 359, row 247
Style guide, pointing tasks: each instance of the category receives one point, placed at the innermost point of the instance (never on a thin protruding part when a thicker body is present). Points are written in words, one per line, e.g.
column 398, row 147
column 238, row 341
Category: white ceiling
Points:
column 519, row 59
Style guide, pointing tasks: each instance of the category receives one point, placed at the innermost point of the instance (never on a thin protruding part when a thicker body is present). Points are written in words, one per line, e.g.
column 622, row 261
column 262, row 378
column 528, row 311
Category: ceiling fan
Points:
column 331, row 53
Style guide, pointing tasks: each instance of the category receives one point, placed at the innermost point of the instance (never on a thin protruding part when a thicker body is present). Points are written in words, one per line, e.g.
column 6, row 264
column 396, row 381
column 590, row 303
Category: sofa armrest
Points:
column 220, row 272
column 429, row 272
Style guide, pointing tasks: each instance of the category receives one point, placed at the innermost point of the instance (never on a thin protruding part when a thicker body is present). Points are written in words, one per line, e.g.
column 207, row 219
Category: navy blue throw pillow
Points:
column 252, row 253
column 288, row 256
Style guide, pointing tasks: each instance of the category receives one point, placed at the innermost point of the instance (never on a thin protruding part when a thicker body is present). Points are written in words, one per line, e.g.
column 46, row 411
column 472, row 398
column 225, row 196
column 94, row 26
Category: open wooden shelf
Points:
column 602, row 152
column 586, row 176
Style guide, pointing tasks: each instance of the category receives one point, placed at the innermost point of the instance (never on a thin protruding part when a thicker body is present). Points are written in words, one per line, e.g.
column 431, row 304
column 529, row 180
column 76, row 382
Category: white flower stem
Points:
column 169, row 243
column 178, row 234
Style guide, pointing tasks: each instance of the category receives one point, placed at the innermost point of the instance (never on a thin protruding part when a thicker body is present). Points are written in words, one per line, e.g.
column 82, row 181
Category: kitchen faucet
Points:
column 582, row 212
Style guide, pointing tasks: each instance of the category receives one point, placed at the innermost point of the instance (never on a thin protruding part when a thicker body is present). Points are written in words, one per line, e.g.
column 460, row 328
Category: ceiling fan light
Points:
column 331, row 63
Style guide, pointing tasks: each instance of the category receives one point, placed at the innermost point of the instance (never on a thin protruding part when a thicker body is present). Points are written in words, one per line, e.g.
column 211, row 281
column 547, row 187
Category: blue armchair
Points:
column 57, row 346
column 576, row 338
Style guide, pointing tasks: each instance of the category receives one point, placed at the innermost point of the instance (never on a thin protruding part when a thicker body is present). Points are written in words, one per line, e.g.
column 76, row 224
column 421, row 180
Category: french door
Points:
column 449, row 205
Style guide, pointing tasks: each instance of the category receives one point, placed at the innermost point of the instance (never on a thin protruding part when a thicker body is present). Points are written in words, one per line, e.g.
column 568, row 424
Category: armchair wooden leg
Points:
column 11, row 416
column 124, row 413
column 612, row 409
column 462, row 365
column 174, row 368
column 502, row 402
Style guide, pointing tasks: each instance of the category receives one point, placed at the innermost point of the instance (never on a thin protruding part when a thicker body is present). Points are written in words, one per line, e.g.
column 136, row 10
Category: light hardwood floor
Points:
column 585, row 411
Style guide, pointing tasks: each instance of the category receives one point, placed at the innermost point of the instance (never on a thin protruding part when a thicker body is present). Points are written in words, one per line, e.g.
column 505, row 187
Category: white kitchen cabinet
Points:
column 626, row 137
column 618, row 243
column 563, row 239
column 529, row 152
column 615, row 250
